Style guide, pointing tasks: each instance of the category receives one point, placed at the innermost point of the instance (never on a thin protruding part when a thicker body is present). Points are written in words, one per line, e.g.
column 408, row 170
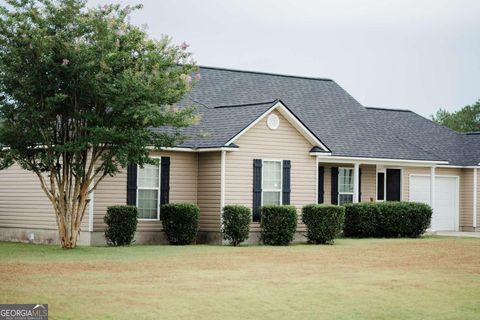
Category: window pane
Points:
column 147, row 204
column 345, row 180
column 272, row 174
column 345, row 198
column 271, row 197
column 148, row 176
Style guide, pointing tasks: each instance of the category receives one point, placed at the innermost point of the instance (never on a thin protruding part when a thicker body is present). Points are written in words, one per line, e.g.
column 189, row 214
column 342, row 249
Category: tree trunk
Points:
column 70, row 213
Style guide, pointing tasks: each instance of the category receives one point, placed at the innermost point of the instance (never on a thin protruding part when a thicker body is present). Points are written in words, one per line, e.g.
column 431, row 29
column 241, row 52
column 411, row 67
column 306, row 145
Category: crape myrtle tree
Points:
column 80, row 89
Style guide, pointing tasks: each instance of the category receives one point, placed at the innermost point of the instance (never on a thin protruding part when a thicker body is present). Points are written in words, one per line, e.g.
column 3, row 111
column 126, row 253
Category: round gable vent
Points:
column 273, row 121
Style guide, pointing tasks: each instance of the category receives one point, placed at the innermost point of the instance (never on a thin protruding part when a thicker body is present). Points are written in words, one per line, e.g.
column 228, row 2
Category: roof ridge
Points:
column 471, row 133
column 245, row 104
column 387, row 109
column 266, row 73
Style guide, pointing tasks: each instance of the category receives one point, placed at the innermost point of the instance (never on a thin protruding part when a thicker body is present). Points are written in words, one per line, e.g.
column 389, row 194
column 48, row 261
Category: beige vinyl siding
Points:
column 113, row 190
column 466, row 198
column 369, row 183
column 208, row 195
column 478, row 198
column 23, row 203
column 284, row 143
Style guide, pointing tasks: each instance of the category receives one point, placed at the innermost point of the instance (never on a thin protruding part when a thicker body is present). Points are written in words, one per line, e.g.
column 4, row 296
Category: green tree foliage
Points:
column 80, row 90
column 464, row 120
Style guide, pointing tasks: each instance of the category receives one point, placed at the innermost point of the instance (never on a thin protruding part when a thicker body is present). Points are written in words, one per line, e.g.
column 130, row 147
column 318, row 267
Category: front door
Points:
column 393, row 184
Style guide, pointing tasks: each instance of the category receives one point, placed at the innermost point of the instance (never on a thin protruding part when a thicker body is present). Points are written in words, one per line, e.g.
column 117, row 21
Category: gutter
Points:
column 329, row 158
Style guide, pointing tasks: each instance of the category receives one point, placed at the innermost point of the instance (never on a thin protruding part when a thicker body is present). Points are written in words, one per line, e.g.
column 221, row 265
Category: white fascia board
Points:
column 216, row 149
column 335, row 159
column 324, row 154
column 180, row 149
column 291, row 118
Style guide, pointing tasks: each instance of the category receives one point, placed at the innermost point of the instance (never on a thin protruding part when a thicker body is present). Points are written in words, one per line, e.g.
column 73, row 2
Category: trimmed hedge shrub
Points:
column 278, row 224
column 180, row 222
column 362, row 220
column 121, row 224
column 236, row 223
column 387, row 219
column 324, row 222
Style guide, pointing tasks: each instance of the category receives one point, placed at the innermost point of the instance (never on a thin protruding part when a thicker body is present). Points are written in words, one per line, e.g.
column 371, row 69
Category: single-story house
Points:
column 273, row 139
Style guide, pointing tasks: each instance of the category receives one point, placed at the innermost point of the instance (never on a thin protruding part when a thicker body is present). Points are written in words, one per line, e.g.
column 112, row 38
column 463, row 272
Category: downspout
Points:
column 222, row 184
column 432, row 196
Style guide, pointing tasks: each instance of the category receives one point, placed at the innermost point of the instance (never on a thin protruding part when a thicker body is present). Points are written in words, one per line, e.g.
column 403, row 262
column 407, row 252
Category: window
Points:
column 148, row 192
column 345, row 185
column 272, row 182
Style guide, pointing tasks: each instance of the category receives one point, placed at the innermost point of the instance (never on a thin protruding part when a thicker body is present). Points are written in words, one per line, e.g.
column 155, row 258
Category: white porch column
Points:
column 316, row 179
column 475, row 195
column 356, row 175
column 222, row 184
column 432, row 196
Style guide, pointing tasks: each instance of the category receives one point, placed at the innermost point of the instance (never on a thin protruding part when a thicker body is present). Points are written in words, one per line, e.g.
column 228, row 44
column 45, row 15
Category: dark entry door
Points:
column 393, row 184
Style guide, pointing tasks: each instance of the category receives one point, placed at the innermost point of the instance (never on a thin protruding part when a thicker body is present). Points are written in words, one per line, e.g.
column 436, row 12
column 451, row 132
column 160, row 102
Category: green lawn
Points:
column 430, row 278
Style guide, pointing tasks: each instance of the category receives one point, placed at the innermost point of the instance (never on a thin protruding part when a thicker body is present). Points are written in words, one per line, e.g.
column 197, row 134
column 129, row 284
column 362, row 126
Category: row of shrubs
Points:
column 386, row 219
column 279, row 223
column 179, row 220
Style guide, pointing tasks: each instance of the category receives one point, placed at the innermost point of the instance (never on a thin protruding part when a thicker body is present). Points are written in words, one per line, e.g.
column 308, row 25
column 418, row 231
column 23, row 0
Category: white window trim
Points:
column 281, row 179
column 159, row 188
column 338, row 183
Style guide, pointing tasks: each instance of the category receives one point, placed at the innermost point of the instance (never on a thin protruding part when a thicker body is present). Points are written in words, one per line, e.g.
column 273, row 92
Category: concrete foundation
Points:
column 97, row 238
column 39, row 236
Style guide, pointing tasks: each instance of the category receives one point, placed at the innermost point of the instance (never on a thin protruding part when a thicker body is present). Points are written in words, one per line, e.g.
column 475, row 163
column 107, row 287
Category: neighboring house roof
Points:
column 229, row 100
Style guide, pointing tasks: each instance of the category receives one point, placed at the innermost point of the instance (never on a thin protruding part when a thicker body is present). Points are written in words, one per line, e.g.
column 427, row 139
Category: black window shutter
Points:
column 380, row 186
column 257, row 189
column 286, row 182
column 334, row 185
column 359, row 185
column 132, row 184
column 165, row 180
column 321, row 172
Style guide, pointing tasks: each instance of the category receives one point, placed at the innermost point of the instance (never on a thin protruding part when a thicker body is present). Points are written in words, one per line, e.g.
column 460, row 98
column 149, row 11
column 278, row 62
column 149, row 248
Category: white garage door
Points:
column 446, row 199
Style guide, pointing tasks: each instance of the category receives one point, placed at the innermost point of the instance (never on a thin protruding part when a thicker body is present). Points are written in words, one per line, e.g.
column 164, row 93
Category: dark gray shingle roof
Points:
column 471, row 148
column 229, row 100
column 219, row 124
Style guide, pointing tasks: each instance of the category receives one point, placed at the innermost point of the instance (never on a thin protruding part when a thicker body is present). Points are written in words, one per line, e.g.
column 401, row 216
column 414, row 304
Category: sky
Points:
column 417, row 55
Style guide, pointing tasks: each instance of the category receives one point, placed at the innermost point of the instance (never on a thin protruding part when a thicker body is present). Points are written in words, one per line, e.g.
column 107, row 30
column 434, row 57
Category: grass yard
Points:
column 431, row 278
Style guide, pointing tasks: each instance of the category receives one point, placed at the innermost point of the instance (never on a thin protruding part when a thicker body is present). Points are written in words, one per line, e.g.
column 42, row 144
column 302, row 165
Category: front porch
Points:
column 342, row 180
